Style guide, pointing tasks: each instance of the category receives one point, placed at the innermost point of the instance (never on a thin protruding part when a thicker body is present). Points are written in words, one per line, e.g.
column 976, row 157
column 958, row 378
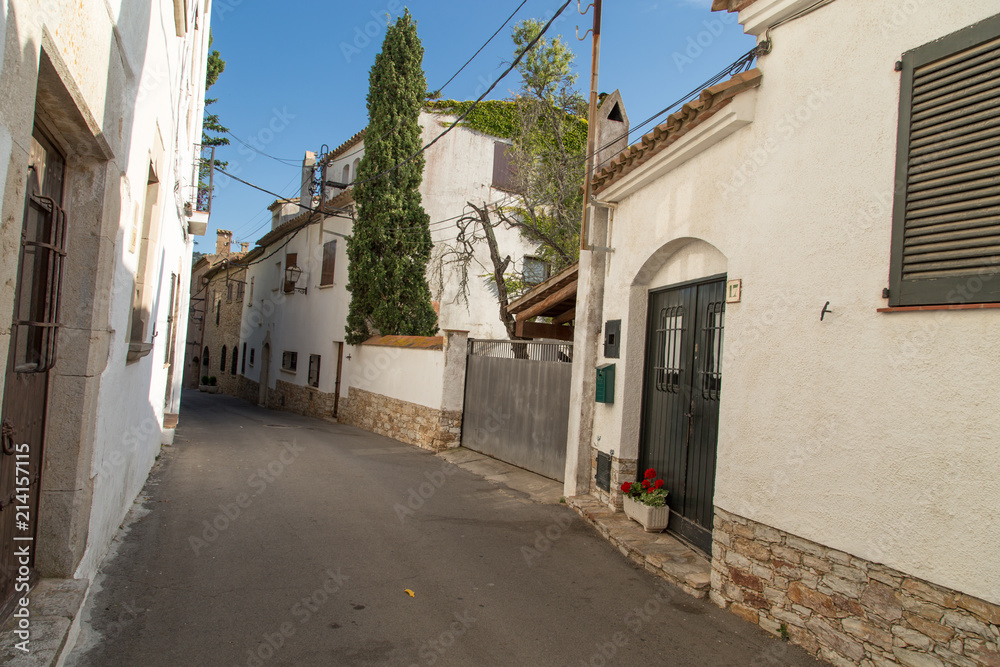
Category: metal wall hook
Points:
column 590, row 31
column 583, row 12
column 826, row 309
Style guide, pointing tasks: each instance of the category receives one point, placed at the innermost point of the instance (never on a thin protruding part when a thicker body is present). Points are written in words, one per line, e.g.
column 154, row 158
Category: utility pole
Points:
column 595, row 61
column 589, row 305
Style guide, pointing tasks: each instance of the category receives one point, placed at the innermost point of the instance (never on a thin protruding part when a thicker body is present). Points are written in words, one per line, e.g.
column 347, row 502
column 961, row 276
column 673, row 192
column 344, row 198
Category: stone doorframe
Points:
column 93, row 203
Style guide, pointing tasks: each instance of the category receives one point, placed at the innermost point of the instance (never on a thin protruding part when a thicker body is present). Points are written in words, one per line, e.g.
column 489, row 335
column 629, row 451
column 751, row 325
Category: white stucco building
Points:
column 99, row 121
column 804, row 271
column 293, row 334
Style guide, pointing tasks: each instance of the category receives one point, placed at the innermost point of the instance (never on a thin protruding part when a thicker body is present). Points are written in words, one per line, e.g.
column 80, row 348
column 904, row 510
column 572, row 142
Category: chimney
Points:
column 612, row 130
column 245, row 246
column 305, row 194
column 223, row 240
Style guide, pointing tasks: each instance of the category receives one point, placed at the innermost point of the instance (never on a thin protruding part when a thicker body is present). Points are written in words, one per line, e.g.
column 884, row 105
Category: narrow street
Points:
column 266, row 538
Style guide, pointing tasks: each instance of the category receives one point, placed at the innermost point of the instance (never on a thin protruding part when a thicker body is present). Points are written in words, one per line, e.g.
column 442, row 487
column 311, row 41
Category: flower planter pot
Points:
column 213, row 389
column 652, row 519
column 203, row 387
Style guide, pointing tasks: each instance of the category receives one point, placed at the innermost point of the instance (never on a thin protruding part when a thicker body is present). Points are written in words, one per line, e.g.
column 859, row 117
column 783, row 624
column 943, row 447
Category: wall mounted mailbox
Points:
column 612, row 338
column 606, row 383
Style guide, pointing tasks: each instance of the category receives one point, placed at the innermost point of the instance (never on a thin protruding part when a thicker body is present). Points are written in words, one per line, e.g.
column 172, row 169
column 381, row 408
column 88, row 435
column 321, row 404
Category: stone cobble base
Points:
column 401, row 420
column 295, row 398
column 622, row 470
column 659, row 553
column 248, row 390
column 846, row 610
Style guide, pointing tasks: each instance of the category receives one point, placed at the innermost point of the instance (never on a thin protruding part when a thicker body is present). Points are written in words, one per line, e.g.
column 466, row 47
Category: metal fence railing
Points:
column 522, row 349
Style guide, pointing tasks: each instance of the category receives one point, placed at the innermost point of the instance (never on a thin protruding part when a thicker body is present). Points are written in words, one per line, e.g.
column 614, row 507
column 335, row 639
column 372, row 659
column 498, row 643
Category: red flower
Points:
column 626, row 487
column 650, row 474
column 659, row 484
column 645, row 484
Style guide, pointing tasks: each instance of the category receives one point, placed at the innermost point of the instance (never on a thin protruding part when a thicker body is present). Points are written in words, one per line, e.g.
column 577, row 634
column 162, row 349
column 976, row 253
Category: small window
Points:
column 250, row 300
column 289, row 360
column 313, row 370
column 347, row 174
column 503, row 167
column 240, row 289
column 233, row 366
column 243, row 364
column 218, row 311
column 329, row 262
column 204, row 357
column 229, row 291
column 222, row 364
column 357, row 163
column 535, row 270
column 251, row 355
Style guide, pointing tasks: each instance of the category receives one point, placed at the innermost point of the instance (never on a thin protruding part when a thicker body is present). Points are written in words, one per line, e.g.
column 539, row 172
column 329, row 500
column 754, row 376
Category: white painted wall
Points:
column 162, row 94
column 407, row 374
column 871, row 433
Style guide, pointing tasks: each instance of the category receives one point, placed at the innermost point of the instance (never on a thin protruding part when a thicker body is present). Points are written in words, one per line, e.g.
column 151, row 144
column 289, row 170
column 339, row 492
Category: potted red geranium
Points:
column 646, row 502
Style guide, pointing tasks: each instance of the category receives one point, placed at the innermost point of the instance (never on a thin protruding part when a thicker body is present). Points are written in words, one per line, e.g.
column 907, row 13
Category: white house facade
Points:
column 100, row 117
column 803, row 270
column 294, row 333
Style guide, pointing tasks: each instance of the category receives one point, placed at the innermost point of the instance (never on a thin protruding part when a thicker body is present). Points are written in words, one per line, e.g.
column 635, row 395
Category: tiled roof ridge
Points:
column 731, row 5
column 355, row 139
column 707, row 104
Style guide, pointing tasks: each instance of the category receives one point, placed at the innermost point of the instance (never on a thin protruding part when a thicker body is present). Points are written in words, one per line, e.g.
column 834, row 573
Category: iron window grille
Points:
column 711, row 351
column 669, row 336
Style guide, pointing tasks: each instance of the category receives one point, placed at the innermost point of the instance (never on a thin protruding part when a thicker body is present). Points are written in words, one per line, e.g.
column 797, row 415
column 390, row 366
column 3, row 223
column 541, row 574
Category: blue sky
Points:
column 297, row 73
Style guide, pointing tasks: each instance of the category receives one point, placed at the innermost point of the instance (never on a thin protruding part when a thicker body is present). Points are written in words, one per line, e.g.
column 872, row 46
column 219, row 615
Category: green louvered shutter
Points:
column 946, row 219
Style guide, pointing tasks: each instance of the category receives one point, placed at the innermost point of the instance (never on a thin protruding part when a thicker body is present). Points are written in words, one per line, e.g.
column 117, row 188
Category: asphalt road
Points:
column 274, row 539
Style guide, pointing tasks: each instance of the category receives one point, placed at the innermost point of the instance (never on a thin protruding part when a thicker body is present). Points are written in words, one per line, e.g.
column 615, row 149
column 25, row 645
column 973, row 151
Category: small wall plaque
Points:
column 734, row 290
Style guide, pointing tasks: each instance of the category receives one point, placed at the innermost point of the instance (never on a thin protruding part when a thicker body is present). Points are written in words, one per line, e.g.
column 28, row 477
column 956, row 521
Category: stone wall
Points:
column 407, row 422
column 622, row 470
column 292, row 397
column 226, row 332
column 247, row 389
column 843, row 609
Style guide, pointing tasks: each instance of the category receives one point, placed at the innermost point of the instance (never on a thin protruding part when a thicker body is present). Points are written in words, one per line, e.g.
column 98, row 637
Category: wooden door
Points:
column 682, row 384
column 31, row 356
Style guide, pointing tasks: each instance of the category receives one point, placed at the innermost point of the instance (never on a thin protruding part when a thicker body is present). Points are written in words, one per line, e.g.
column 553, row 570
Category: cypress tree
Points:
column 391, row 241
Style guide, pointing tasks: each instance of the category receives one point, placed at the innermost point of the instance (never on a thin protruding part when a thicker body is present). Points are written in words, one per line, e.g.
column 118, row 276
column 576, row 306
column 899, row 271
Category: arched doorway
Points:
column 684, row 289
column 265, row 370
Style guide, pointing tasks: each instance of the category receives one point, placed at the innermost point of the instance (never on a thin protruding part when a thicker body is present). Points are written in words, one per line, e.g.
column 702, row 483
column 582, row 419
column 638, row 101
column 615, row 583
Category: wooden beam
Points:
column 547, row 302
column 539, row 330
column 568, row 316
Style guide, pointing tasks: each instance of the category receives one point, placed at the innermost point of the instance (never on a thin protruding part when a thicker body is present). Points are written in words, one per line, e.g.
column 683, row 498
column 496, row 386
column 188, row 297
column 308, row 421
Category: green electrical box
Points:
column 606, row 383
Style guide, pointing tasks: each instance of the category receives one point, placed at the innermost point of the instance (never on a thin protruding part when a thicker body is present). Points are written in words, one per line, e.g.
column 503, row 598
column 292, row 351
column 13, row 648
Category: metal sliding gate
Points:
column 517, row 403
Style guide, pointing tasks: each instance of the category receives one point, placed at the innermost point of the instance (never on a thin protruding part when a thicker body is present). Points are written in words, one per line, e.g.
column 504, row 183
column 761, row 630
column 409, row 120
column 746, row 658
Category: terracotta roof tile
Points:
column 416, row 342
column 339, row 150
column 692, row 114
column 731, row 5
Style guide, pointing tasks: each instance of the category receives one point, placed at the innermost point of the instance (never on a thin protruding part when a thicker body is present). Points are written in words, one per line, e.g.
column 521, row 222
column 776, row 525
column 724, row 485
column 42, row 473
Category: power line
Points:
column 485, row 44
column 289, row 161
column 482, row 47
column 462, row 117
